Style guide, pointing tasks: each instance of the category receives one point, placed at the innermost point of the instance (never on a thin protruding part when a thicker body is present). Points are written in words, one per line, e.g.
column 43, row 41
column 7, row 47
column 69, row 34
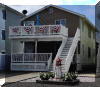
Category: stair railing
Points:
column 59, row 52
column 72, row 50
column 50, row 61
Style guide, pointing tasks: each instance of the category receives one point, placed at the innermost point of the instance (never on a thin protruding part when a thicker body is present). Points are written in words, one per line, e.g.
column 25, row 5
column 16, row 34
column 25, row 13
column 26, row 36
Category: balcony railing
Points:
column 43, row 30
column 31, row 61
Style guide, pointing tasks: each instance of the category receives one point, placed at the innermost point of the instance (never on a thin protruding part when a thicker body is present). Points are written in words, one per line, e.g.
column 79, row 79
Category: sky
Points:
column 45, row 2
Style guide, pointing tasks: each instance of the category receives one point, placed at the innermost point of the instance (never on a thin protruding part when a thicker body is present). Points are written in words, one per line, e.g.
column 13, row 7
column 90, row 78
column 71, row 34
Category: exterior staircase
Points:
column 51, row 67
column 66, row 51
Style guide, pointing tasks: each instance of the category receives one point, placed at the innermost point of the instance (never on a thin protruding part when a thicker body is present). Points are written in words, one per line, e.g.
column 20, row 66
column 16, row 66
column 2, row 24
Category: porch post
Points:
column 35, row 52
column 36, row 45
column 11, row 54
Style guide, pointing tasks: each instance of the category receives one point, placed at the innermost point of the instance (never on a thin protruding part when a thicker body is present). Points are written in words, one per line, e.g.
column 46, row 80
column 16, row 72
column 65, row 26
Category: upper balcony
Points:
column 42, row 31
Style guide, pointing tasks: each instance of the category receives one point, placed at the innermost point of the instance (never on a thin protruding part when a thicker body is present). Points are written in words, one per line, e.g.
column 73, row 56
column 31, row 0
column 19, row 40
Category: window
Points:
column 89, row 32
column 89, row 52
column 4, row 14
column 83, row 49
column 57, row 22
column 61, row 21
column 83, row 26
column 79, row 47
column 3, row 34
column 51, row 10
column 94, row 35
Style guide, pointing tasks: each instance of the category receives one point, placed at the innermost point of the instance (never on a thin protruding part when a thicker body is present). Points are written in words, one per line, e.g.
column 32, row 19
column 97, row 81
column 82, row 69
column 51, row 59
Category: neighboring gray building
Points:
column 97, row 24
column 2, row 29
column 8, row 17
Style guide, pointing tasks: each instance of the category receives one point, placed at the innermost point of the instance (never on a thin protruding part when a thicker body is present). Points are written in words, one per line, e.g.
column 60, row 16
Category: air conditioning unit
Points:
column 29, row 23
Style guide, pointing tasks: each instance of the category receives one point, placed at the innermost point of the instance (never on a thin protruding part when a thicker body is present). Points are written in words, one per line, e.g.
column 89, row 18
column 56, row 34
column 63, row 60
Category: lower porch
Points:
column 33, row 55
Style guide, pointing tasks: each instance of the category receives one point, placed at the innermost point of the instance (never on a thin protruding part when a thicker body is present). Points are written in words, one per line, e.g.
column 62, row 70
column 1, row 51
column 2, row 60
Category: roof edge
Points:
column 52, row 6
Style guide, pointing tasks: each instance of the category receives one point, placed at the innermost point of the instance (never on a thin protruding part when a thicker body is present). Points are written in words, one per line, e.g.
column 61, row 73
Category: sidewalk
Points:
column 87, row 75
column 18, row 76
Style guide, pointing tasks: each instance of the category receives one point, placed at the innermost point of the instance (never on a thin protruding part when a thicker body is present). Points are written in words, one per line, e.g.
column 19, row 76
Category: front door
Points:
column 29, row 47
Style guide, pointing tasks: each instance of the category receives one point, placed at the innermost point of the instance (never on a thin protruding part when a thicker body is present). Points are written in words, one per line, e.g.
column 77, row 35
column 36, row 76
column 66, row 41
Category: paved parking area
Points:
column 18, row 76
column 87, row 80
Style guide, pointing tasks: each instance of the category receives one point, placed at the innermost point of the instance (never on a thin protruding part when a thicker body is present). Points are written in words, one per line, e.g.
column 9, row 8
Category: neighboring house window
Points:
column 83, row 26
column 4, row 14
column 3, row 34
column 50, row 10
column 89, row 32
column 83, row 49
column 89, row 52
column 94, row 35
column 79, row 47
column 61, row 21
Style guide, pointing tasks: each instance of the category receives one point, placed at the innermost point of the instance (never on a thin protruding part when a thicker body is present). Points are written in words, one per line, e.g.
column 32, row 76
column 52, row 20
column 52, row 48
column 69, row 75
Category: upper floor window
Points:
column 57, row 22
column 50, row 10
column 4, row 14
column 83, row 49
column 61, row 21
column 89, row 32
column 3, row 34
column 89, row 52
column 94, row 35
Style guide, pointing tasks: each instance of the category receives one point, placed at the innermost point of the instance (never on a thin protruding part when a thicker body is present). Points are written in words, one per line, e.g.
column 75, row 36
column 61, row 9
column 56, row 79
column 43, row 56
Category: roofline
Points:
column 55, row 7
column 91, row 24
column 9, row 8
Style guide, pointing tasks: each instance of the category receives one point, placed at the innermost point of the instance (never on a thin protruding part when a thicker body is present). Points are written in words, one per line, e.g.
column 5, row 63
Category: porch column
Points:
column 11, row 49
column 35, row 66
column 36, row 45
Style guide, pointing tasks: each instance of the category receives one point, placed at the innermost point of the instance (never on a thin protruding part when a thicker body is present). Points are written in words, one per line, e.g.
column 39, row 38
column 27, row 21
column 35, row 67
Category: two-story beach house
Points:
column 7, row 18
column 50, row 33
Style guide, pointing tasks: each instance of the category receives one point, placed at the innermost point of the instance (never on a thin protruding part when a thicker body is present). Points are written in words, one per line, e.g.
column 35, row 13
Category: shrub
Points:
column 69, row 77
column 51, row 74
column 47, row 76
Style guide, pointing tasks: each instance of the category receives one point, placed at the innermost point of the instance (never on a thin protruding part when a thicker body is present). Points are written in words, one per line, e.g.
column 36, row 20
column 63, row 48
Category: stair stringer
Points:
column 71, row 52
column 59, row 52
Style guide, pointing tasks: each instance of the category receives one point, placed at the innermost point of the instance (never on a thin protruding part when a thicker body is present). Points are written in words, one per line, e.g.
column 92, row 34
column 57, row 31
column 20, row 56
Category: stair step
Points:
column 67, row 49
column 64, row 51
column 63, row 57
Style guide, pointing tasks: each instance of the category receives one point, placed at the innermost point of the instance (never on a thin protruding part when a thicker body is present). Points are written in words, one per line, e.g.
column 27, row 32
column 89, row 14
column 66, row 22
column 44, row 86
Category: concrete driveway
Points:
column 2, row 78
column 11, row 77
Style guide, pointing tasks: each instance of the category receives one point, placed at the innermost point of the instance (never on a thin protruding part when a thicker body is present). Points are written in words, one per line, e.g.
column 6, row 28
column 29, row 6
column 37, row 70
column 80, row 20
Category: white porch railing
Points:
column 42, row 30
column 32, row 61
